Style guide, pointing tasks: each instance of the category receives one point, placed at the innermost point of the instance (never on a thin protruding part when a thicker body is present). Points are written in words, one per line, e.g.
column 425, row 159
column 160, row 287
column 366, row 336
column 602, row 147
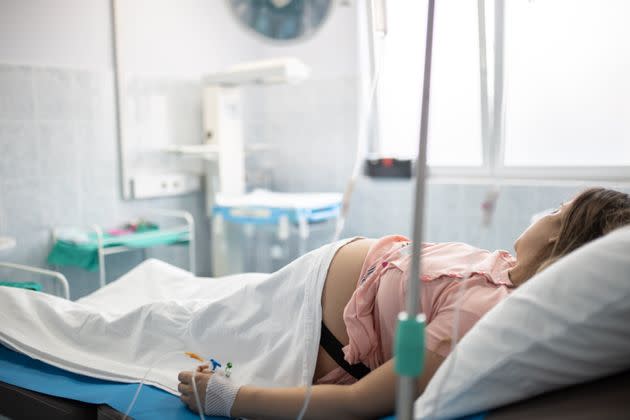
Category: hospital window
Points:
column 455, row 82
column 552, row 103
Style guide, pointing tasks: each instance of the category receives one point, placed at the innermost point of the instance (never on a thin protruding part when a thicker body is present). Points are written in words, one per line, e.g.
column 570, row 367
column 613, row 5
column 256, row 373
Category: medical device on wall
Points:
column 224, row 147
column 222, row 118
column 273, row 71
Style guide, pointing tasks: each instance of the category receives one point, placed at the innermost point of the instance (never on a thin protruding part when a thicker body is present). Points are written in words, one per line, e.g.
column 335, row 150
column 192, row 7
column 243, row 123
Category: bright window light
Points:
column 567, row 78
column 455, row 121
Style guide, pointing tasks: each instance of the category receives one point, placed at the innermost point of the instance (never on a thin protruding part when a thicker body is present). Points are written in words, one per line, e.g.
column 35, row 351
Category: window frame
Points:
column 493, row 110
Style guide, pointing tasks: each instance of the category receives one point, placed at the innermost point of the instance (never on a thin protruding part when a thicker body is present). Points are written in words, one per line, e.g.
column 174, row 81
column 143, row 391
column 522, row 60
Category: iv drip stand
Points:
column 409, row 343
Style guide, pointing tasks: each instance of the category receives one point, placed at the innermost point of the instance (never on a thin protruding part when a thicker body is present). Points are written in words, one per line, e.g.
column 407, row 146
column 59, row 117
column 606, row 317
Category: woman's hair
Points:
column 592, row 214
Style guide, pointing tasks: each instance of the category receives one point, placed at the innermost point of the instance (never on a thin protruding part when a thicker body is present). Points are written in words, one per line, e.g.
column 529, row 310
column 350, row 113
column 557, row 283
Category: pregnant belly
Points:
column 341, row 282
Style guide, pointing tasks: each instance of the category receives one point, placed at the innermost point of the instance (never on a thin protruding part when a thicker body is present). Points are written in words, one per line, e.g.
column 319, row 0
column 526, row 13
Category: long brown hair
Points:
column 592, row 214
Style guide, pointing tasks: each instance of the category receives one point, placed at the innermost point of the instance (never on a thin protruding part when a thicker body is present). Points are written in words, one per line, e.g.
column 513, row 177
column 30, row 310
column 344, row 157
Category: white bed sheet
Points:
column 267, row 325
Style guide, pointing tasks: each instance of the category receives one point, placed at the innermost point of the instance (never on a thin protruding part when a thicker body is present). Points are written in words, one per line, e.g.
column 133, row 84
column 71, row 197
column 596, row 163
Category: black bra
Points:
column 334, row 349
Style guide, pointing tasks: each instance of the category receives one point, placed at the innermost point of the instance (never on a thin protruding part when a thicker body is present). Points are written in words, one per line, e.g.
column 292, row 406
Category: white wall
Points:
column 161, row 36
column 190, row 37
column 62, row 33
column 186, row 38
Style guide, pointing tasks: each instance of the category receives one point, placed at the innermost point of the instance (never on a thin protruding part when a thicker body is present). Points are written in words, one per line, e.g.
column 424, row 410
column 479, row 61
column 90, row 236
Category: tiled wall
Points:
column 59, row 167
column 160, row 112
column 453, row 212
column 310, row 130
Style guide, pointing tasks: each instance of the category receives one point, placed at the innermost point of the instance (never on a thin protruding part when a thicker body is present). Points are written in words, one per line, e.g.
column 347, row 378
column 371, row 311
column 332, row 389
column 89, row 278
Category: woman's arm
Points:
column 372, row 396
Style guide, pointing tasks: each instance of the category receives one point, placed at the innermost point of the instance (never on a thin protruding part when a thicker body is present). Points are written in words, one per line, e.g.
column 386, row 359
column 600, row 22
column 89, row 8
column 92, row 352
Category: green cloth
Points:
column 85, row 255
column 66, row 253
column 30, row 285
column 146, row 227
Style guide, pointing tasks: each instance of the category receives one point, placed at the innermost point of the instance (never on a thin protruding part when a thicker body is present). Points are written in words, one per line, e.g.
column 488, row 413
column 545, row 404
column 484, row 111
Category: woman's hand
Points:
column 203, row 368
column 202, row 376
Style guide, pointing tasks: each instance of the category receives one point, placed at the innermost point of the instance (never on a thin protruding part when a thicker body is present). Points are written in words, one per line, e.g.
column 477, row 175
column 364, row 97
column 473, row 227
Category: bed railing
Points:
column 58, row 276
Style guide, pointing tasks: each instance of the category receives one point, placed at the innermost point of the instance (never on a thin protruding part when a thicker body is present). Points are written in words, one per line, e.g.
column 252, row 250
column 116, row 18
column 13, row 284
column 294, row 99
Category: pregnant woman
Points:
column 365, row 289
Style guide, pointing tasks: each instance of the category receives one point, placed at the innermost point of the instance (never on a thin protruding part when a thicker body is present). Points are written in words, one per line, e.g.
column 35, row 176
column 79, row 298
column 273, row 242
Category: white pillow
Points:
column 566, row 325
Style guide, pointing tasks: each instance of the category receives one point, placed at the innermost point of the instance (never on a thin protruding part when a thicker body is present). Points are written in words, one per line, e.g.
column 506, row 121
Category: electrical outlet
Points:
column 149, row 186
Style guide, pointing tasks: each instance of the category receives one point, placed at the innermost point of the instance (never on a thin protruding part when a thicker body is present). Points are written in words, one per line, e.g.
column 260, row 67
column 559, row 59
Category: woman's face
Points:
column 539, row 236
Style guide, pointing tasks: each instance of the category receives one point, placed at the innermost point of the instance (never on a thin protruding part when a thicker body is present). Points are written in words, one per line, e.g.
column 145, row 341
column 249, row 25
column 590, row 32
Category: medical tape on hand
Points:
column 220, row 395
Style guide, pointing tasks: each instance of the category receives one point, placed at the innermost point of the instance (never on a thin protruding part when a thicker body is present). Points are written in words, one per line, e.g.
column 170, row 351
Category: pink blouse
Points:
column 456, row 278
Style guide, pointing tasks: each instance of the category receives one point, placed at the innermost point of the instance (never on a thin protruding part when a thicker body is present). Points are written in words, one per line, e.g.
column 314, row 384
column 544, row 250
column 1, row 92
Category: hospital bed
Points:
column 60, row 279
column 32, row 389
column 602, row 296
column 89, row 253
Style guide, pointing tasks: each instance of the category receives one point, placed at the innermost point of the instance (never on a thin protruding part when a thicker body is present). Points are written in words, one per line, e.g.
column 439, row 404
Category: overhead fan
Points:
column 282, row 20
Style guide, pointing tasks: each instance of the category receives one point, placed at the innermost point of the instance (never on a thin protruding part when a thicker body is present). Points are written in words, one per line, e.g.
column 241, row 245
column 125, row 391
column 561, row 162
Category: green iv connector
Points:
column 409, row 345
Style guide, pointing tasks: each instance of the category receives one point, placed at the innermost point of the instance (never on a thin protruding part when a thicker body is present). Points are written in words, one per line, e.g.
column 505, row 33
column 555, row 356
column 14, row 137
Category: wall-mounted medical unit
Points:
column 223, row 148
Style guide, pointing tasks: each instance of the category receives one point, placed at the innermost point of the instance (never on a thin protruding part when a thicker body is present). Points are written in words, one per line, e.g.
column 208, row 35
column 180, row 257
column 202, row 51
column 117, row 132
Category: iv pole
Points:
column 409, row 343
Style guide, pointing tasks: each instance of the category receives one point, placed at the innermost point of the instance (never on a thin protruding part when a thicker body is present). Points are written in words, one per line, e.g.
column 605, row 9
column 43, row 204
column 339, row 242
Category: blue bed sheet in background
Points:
column 20, row 370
